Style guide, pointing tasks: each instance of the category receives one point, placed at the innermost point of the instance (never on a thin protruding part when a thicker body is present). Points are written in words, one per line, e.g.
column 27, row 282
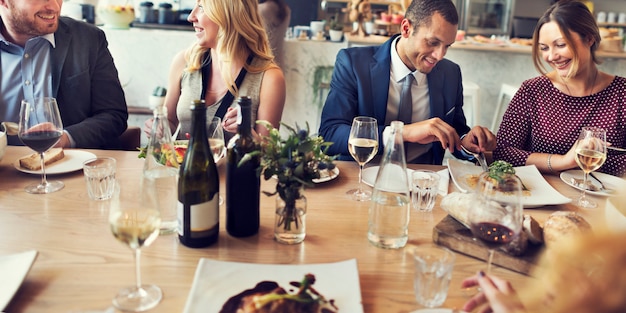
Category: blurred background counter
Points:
column 143, row 59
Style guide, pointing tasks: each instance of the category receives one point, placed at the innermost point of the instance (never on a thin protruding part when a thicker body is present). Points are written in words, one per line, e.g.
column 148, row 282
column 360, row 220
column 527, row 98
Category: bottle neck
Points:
column 198, row 124
column 245, row 129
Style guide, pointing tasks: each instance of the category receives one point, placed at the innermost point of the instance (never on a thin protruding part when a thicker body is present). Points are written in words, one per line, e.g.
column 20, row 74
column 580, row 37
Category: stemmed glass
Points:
column 215, row 133
column 496, row 217
column 135, row 220
column 363, row 146
column 40, row 128
column 590, row 155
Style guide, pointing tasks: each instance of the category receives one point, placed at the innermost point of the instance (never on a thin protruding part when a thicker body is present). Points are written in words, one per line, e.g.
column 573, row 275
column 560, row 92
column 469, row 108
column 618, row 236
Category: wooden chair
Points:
column 130, row 139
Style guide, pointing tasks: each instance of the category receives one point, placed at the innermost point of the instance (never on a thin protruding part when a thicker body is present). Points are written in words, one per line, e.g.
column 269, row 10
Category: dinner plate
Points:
column 73, row 161
column 332, row 175
column 216, row 281
column 540, row 191
column 612, row 183
column 370, row 174
column 13, row 270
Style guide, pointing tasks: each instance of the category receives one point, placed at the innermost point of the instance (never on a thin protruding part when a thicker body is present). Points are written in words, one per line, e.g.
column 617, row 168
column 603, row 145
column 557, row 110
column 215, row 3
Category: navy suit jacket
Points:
column 360, row 87
column 86, row 85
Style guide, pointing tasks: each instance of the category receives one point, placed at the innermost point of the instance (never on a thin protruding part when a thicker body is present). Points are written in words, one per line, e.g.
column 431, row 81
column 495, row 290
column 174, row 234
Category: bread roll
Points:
column 562, row 225
column 33, row 161
column 458, row 204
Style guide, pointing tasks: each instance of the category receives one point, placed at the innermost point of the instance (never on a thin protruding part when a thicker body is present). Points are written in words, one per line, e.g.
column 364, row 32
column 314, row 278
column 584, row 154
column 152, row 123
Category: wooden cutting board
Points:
column 454, row 235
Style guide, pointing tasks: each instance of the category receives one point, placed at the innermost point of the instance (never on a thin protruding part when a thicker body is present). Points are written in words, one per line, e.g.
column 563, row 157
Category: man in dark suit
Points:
column 368, row 81
column 44, row 54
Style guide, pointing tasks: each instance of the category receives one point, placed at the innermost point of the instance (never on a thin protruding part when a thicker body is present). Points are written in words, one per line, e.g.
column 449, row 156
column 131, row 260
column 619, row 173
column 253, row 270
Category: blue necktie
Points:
column 405, row 109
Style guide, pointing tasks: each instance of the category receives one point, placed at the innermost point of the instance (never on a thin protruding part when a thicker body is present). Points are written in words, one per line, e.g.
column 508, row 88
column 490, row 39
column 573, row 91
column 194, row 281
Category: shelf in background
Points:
column 188, row 27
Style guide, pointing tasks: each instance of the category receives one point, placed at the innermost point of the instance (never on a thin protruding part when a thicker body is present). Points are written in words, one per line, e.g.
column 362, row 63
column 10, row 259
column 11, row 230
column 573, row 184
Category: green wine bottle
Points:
column 198, row 186
column 242, row 181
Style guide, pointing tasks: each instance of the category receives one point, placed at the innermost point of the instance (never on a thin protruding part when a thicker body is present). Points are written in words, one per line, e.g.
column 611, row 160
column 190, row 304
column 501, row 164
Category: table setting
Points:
column 79, row 266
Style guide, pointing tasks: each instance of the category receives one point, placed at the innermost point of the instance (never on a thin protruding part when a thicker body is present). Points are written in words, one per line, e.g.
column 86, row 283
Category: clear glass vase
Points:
column 290, row 221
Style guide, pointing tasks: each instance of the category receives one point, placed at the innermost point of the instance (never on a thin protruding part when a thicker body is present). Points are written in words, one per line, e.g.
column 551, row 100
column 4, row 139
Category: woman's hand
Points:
column 229, row 123
column 496, row 295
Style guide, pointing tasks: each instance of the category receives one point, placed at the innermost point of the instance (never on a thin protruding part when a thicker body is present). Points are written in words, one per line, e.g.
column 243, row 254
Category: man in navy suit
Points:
column 43, row 54
column 367, row 81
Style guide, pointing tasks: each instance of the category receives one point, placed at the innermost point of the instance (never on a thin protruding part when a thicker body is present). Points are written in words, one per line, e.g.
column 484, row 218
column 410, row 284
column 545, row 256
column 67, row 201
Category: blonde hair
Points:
column 584, row 275
column 240, row 34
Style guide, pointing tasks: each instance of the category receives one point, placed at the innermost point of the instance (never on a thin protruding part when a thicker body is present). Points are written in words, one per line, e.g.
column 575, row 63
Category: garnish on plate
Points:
column 269, row 297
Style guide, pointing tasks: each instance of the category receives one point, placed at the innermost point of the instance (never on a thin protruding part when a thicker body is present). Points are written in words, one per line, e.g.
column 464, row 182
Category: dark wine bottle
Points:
column 198, row 186
column 242, row 181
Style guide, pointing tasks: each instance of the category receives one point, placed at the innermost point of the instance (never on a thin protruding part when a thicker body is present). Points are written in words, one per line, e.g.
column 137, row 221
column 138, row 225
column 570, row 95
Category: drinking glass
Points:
column 496, row 217
column 215, row 133
column 40, row 128
column 590, row 155
column 135, row 220
column 363, row 146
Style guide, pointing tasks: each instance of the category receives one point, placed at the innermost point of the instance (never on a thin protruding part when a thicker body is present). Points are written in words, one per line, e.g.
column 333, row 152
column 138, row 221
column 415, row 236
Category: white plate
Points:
column 541, row 192
column 610, row 182
column 73, row 161
column 216, row 281
column 333, row 174
column 13, row 270
column 433, row 311
column 370, row 174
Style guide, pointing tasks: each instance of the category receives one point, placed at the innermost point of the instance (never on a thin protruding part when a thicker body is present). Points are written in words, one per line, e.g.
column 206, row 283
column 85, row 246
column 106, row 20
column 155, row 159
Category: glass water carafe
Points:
column 389, row 207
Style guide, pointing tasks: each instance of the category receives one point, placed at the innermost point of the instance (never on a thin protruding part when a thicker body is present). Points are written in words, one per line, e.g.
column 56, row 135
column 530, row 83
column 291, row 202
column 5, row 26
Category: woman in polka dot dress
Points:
column 546, row 114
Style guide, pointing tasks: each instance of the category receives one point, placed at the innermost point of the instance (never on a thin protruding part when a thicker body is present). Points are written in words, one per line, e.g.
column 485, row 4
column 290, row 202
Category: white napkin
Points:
column 444, row 181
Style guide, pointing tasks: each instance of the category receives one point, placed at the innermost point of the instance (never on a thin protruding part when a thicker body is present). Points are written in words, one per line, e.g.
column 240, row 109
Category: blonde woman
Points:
column 582, row 275
column 230, row 58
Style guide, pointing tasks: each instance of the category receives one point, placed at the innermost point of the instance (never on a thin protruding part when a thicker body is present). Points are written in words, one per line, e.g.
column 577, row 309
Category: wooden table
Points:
column 81, row 266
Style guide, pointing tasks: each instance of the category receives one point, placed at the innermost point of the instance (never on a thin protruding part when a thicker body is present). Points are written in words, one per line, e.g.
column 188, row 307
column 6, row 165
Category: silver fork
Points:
column 616, row 148
column 479, row 156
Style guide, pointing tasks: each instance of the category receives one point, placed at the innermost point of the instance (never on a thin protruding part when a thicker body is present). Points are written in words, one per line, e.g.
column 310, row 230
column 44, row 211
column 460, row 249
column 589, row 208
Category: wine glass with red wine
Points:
column 496, row 217
column 40, row 128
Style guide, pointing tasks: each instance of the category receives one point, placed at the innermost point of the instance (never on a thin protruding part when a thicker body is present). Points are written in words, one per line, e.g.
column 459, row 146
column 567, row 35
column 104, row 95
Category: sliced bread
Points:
column 33, row 161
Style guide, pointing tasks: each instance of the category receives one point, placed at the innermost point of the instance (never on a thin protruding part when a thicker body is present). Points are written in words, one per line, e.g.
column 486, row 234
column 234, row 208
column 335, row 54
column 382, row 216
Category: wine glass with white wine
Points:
column 363, row 146
column 135, row 219
column 590, row 155
column 40, row 128
column 215, row 133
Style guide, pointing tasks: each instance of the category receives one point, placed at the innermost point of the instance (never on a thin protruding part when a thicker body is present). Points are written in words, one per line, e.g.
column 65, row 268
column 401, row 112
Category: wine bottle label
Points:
column 203, row 217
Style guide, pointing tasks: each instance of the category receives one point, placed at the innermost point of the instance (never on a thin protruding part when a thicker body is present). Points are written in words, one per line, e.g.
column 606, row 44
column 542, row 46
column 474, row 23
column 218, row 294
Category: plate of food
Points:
column 223, row 287
column 13, row 270
column 538, row 192
column 612, row 184
column 58, row 161
column 327, row 175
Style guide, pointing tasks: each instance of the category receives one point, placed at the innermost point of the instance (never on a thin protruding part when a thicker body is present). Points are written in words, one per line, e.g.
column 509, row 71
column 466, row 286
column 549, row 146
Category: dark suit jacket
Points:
column 360, row 87
column 87, row 87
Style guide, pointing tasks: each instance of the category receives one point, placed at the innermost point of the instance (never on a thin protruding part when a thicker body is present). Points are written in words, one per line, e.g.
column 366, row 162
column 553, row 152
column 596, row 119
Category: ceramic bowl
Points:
column 116, row 16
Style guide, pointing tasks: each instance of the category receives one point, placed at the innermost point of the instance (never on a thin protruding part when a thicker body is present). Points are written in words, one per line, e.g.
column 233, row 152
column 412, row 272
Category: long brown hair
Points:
column 570, row 16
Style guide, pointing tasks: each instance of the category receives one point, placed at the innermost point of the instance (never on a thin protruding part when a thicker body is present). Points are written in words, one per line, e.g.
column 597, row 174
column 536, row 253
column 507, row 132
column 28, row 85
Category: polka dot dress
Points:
column 540, row 118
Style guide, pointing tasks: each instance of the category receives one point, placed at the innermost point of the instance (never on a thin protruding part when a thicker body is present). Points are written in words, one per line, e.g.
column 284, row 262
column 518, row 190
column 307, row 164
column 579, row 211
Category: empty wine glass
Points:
column 363, row 146
column 135, row 220
column 215, row 133
column 496, row 217
column 590, row 155
column 40, row 128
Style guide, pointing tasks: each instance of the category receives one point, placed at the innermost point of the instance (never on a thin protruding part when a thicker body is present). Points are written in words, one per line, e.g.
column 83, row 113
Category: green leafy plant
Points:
column 295, row 161
column 335, row 23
